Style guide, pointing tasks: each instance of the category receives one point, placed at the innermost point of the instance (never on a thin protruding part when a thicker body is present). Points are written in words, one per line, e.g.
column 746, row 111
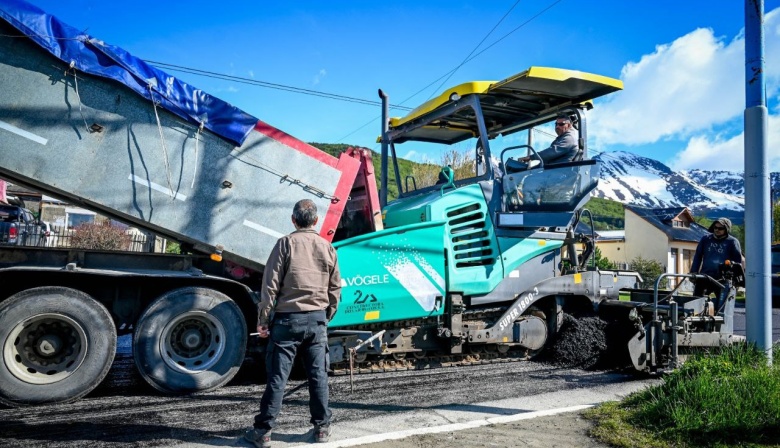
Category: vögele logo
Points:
column 363, row 280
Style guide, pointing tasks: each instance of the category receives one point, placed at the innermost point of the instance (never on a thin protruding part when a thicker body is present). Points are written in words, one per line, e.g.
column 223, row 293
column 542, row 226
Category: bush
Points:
column 97, row 236
column 172, row 247
column 650, row 270
column 603, row 262
column 462, row 163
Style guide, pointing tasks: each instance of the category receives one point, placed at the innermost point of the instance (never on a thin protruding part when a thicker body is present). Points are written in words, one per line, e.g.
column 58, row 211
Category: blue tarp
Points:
column 95, row 57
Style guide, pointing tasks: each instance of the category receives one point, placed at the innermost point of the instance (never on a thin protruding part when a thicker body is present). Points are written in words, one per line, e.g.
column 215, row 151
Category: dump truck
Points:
column 479, row 268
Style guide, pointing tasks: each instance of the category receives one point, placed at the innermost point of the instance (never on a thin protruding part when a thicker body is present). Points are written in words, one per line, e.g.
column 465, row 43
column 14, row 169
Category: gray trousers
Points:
column 290, row 332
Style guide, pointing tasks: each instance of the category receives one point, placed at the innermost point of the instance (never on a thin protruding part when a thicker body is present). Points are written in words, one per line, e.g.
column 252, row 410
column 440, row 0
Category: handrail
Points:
column 406, row 182
column 501, row 157
column 655, row 339
column 670, row 274
column 450, row 174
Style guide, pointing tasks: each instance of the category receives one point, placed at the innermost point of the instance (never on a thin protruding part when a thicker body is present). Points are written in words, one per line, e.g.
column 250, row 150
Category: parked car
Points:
column 18, row 227
column 50, row 235
column 776, row 275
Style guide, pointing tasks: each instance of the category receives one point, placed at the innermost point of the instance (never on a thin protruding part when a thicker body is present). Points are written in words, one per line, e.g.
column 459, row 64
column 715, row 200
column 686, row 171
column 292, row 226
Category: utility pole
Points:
column 758, row 277
column 383, row 156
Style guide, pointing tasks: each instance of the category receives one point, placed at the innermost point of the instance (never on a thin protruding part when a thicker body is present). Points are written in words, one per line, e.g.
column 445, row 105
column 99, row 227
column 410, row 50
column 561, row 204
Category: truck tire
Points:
column 189, row 340
column 57, row 345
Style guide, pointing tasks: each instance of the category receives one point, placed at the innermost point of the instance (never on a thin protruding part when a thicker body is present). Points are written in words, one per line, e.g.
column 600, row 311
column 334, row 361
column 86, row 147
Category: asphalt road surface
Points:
column 457, row 405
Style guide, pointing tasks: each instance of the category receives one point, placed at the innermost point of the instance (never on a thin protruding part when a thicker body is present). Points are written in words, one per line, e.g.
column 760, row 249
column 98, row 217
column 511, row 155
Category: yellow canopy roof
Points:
column 507, row 104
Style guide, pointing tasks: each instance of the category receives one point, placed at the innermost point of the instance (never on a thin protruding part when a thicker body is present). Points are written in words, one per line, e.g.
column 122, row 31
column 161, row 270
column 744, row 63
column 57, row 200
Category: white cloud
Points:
column 417, row 156
column 228, row 89
column 716, row 153
column 692, row 90
column 688, row 85
column 727, row 153
column 318, row 77
column 413, row 156
column 251, row 74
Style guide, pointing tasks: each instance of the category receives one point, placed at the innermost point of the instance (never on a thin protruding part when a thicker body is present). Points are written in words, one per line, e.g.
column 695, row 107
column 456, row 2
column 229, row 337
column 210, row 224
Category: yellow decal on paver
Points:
column 577, row 278
column 542, row 242
column 371, row 315
column 506, row 339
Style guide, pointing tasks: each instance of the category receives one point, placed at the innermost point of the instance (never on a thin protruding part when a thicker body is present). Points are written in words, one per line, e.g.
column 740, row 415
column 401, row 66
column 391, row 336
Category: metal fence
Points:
column 53, row 236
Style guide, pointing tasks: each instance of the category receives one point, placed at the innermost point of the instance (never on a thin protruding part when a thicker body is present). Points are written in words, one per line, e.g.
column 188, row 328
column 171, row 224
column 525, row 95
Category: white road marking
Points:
column 157, row 187
column 264, row 229
column 22, row 133
column 375, row 438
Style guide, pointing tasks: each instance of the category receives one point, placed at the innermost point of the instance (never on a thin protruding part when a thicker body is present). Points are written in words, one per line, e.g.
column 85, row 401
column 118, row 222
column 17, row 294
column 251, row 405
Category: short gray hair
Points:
column 305, row 213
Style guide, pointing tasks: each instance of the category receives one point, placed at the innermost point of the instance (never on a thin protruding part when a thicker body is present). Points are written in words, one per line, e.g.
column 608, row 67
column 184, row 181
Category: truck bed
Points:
column 96, row 142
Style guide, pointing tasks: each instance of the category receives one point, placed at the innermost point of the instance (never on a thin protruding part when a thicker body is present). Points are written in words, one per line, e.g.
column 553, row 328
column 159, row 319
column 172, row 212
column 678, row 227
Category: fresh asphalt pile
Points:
column 581, row 342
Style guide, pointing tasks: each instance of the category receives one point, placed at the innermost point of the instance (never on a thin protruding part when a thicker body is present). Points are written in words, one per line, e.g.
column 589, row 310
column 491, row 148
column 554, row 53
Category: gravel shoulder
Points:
column 561, row 430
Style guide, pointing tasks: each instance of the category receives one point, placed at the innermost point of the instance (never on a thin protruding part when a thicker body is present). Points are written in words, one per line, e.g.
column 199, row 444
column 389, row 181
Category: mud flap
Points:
column 530, row 332
column 637, row 349
column 456, row 323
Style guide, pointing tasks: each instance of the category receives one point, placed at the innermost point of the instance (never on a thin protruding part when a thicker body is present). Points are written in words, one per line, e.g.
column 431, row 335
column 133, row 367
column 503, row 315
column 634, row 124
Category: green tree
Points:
column 650, row 270
column 172, row 247
column 405, row 167
column 607, row 214
column 603, row 262
column 462, row 164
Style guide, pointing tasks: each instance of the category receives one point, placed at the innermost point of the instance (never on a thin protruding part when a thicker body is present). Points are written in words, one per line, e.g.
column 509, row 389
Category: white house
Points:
column 668, row 235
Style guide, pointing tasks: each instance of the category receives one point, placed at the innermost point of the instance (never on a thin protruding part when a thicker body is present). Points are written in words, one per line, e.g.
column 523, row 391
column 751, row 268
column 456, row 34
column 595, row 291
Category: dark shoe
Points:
column 321, row 434
column 258, row 438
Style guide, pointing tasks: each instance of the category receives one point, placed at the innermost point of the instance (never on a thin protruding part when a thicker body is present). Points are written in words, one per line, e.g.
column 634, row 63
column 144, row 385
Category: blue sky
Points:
column 682, row 62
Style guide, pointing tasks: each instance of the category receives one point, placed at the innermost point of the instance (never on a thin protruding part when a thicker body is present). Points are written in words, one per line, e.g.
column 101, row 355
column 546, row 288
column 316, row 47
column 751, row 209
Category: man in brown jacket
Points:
column 300, row 294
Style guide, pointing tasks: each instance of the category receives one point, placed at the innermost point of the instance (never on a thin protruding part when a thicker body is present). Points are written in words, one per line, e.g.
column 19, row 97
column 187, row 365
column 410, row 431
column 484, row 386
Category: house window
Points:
column 74, row 219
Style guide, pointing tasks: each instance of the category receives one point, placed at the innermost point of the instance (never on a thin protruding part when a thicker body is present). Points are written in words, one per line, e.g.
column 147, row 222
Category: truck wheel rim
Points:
column 192, row 342
column 45, row 348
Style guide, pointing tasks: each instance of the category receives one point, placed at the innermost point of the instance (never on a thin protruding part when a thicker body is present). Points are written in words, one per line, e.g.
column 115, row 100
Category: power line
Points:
column 463, row 63
column 520, row 26
column 473, row 50
column 544, row 132
column 355, row 131
column 270, row 85
column 484, row 50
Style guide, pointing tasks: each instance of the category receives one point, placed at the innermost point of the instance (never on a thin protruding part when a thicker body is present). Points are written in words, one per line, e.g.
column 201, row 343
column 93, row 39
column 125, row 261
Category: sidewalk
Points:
column 542, row 429
column 544, row 420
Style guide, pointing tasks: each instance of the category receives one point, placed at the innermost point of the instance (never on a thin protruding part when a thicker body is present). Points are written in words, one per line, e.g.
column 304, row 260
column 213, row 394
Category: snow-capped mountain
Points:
column 632, row 179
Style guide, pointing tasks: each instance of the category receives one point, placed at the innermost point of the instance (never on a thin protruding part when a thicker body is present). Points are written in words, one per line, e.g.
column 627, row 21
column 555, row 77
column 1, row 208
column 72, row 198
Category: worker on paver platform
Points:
column 713, row 250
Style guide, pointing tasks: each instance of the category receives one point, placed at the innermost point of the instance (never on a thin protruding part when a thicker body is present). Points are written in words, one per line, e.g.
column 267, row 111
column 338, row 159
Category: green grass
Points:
column 731, row 398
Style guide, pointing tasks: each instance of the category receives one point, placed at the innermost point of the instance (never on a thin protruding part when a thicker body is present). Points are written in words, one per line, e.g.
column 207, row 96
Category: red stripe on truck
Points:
column 347, row 165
